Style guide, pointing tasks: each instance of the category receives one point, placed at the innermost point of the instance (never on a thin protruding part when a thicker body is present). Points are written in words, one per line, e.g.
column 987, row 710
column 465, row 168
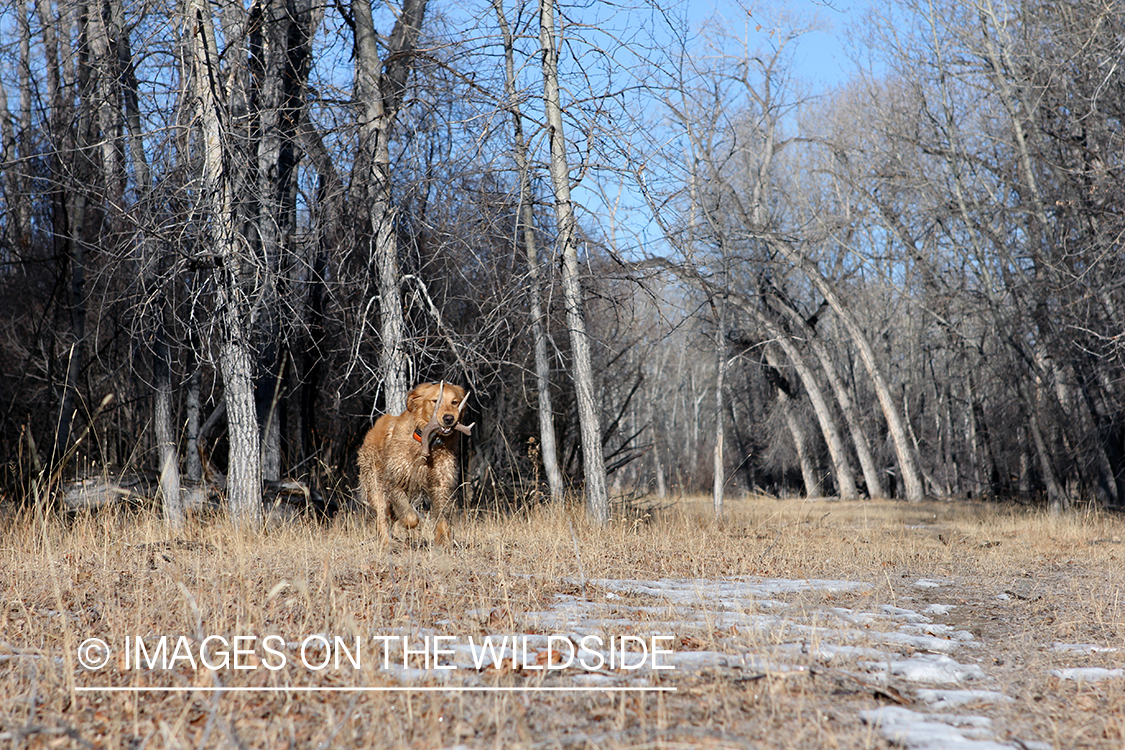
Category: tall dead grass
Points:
column 1021, row 579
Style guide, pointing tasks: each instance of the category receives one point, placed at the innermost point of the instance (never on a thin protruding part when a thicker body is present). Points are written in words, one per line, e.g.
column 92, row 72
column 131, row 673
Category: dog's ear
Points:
column 416, row 397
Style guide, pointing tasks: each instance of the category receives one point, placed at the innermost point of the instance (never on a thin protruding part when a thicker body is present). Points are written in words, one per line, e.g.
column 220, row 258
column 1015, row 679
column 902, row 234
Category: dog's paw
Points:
column 443, row 534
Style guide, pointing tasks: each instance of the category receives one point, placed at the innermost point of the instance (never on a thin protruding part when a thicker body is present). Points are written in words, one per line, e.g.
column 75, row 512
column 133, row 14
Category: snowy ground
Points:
column 935, row 678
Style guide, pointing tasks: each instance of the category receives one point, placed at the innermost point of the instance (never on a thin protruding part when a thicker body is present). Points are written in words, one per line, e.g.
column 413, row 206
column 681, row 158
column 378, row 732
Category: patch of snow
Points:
column 956, row 698
column 916, row 731
column 826, row 652
column 889, row 643
column 1081, row 648
column 919, row 642
column 939, row 609
column 932, row 669
column 695, row 660
column 593, row 679
column 1088, row 674
column 899, row 613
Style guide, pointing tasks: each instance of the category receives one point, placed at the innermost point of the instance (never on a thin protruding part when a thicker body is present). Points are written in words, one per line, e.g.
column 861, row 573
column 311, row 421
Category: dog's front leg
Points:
column 443, row 534
column 401, row 508
column 441, row 493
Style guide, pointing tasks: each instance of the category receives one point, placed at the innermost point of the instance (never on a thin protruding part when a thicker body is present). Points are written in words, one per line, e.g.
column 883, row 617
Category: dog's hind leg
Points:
column 376, row 499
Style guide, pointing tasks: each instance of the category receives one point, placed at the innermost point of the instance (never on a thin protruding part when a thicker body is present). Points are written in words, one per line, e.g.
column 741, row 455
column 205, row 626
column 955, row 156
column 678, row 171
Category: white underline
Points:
column 394, row 689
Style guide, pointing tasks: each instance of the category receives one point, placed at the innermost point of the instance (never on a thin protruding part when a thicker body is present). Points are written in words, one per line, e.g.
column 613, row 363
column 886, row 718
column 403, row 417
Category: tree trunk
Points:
column 326, row 215
column 24, row 199
column 279, row 50
column 75, row 174
column 163, row 421
column 845, row 477
column 719, row 480
column 380, row 88
column 236, row 359
column 244, row 470
column 593, row 461
column 657, row 454
column 13, row 193
column 548, row 450
column 193, row 461
column 1057, row 499
column 808, row 470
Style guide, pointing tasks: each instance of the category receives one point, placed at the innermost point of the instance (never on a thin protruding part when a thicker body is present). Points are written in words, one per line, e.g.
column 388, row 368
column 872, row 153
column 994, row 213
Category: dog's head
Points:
column 441, row 403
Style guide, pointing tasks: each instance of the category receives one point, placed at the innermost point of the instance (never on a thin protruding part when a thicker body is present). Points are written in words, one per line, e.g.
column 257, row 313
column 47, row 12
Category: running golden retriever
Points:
column 415, row 453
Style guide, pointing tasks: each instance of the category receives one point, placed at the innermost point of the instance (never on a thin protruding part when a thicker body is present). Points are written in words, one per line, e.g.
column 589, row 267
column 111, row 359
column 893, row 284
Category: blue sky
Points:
column 820, row 60
column 821, row 57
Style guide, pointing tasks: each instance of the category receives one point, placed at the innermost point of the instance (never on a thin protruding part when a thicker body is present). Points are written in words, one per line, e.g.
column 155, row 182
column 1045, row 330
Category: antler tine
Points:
column 432, row 426
column 461, row 427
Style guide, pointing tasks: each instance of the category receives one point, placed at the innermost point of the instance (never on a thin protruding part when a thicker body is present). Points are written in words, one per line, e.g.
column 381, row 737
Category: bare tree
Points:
column 547, row 448
column 593, row 461
column 232, row 276
column 380, row 86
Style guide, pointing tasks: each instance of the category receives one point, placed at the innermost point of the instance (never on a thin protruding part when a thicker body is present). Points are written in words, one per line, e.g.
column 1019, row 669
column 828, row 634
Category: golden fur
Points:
column 394, row 469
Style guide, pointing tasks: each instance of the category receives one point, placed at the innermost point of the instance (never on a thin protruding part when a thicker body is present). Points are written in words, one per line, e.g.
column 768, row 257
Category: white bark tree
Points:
column 593, row 460
column 380, row 87
column 232, row 276
column 548, row 451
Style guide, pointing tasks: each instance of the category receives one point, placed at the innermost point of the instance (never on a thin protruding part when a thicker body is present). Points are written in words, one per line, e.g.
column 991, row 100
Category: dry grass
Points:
column 110, row 576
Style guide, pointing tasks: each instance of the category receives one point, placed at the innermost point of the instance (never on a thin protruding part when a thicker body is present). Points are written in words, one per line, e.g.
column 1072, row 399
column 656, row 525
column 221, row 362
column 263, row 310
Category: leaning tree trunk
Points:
column 911, row 478
column 548, row 450
column 797, row 431
column 1057, row 499
column 845, row 477
column 593, row 461
column 860, row 442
